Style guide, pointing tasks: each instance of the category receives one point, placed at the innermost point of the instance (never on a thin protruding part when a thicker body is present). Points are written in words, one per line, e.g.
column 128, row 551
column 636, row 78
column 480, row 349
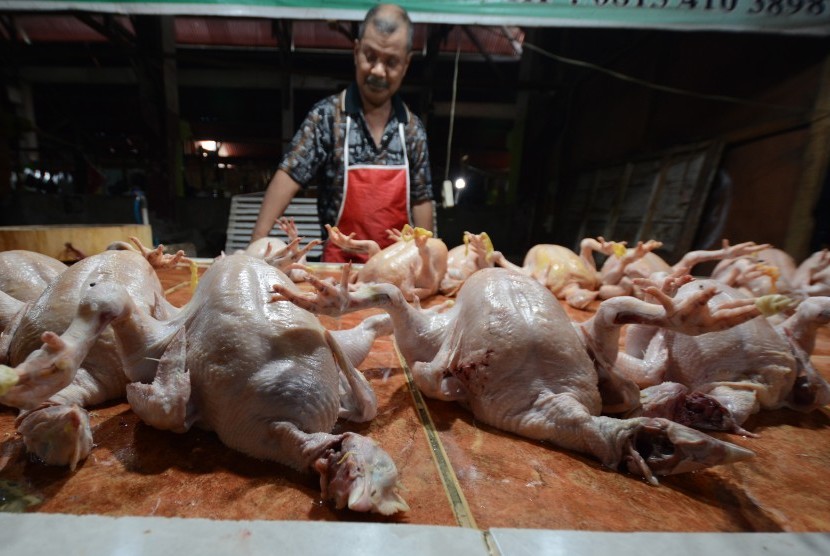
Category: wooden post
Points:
column 159, row 99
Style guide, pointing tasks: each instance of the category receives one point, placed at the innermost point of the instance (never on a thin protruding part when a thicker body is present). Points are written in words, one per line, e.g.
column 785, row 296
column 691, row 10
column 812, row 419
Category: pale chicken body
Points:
column 812, row 277
column 567, row 275
column 508, row 351
column 58, row 304
column 491, row 318
column 717, row 380
column 58, row 432
column 617, row 277
column 415, row 262
column 271, row 381
column 268, row 379
column 253, row 363
column 465, row 259
column 557, row 267
column 414, row 266
column 767, row 272
column 264, row 246
column 23, row 277
column 25, row 274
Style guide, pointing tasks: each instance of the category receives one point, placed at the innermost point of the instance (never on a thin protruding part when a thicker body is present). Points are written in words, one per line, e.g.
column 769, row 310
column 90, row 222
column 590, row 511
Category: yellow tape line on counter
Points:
column 458, row 502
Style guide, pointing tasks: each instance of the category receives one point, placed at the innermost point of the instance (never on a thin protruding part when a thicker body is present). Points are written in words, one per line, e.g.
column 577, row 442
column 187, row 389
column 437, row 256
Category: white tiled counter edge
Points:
column 89, row 535
column 527, row 542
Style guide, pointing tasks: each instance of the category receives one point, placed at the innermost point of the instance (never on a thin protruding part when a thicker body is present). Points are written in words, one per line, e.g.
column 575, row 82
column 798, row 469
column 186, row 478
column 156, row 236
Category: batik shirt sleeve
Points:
column 311, row 146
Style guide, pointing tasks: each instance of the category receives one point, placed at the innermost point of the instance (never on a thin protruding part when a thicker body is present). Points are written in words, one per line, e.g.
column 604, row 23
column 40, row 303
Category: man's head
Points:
column 382, row 52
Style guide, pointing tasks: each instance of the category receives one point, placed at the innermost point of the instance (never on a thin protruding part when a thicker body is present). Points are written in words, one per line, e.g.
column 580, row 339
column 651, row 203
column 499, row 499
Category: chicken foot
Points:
column 643, row 446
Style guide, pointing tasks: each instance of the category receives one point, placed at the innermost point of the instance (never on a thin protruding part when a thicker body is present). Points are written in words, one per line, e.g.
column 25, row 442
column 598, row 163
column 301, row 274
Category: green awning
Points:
column 764, row 16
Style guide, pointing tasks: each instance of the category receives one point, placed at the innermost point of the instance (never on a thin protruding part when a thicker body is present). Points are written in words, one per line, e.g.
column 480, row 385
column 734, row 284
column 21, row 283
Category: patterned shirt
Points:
column 315, row 155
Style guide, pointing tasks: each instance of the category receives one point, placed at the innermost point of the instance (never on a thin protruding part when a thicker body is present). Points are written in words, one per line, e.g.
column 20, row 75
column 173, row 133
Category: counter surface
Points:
column 498, row 480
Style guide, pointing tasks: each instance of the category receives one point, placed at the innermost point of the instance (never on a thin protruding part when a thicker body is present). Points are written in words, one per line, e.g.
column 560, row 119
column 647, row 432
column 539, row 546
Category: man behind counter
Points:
column 367, row 151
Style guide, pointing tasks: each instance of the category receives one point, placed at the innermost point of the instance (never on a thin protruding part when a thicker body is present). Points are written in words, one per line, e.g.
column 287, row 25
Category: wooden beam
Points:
column 109, row 27
column 155, row 61
column 284, row 29
column 436, row 34
column 485, row 110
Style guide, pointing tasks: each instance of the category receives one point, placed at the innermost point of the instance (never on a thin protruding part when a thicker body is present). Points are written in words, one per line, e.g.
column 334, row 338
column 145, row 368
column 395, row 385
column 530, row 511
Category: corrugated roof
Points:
column 253, row 33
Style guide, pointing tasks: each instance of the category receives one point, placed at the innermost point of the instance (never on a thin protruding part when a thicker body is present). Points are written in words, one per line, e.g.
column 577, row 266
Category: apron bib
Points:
column 375, row 199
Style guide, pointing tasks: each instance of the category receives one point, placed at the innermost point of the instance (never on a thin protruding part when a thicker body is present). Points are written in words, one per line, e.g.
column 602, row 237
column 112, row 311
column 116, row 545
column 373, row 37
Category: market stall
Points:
column 471, row 488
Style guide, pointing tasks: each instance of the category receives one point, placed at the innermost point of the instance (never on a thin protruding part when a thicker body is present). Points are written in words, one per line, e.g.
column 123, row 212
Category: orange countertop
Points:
column 455, row 470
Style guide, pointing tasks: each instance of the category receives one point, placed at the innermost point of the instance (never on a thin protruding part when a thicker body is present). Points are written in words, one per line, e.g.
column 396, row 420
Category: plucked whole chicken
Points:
column 619, row 273
column 508, row 351
column 717, row 380
column 25, row 274
column 475, row 253
column 55, row 427
column 772, row 270
column 569, row 276
column 268, row 379
column 416, row 262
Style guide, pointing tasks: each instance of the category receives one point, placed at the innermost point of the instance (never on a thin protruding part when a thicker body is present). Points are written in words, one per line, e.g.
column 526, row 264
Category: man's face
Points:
column 381, row 62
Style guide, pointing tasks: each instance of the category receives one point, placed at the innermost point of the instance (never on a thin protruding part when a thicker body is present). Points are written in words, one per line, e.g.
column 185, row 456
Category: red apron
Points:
column 375, row 199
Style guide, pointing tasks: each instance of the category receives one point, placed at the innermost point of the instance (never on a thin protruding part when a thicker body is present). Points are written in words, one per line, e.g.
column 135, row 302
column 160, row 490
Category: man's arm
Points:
column 422, row 215
column 279, row 194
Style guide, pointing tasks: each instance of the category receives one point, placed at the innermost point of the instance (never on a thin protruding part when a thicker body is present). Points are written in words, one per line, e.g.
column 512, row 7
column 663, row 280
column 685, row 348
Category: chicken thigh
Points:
column 268, row 379
column 508, row 351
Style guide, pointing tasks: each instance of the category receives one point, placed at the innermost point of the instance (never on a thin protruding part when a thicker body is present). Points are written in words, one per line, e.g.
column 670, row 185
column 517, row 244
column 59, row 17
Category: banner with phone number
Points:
column 766, row 16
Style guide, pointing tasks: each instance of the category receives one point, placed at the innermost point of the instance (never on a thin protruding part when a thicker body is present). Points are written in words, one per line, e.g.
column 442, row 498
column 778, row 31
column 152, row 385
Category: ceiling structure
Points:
column 247, row 32
column 244, row 82
column 106, row 96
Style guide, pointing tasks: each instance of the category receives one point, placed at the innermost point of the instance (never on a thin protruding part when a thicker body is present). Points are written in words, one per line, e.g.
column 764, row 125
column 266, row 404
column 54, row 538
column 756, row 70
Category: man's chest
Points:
column 383, row 146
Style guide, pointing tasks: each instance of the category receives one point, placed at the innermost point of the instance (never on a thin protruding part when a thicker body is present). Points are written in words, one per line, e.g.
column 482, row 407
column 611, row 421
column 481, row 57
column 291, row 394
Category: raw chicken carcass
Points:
column 812, row 277
column 25, row 274
column 774, row 271
column 623, row 264
column 619, row 273
column 54, row 427
column 416, row 262
column 717, row 380
column 508, row 351
column 268, row 379
column 766, row 272
column 475, row 253
column 23, row 277
column 567, row 275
